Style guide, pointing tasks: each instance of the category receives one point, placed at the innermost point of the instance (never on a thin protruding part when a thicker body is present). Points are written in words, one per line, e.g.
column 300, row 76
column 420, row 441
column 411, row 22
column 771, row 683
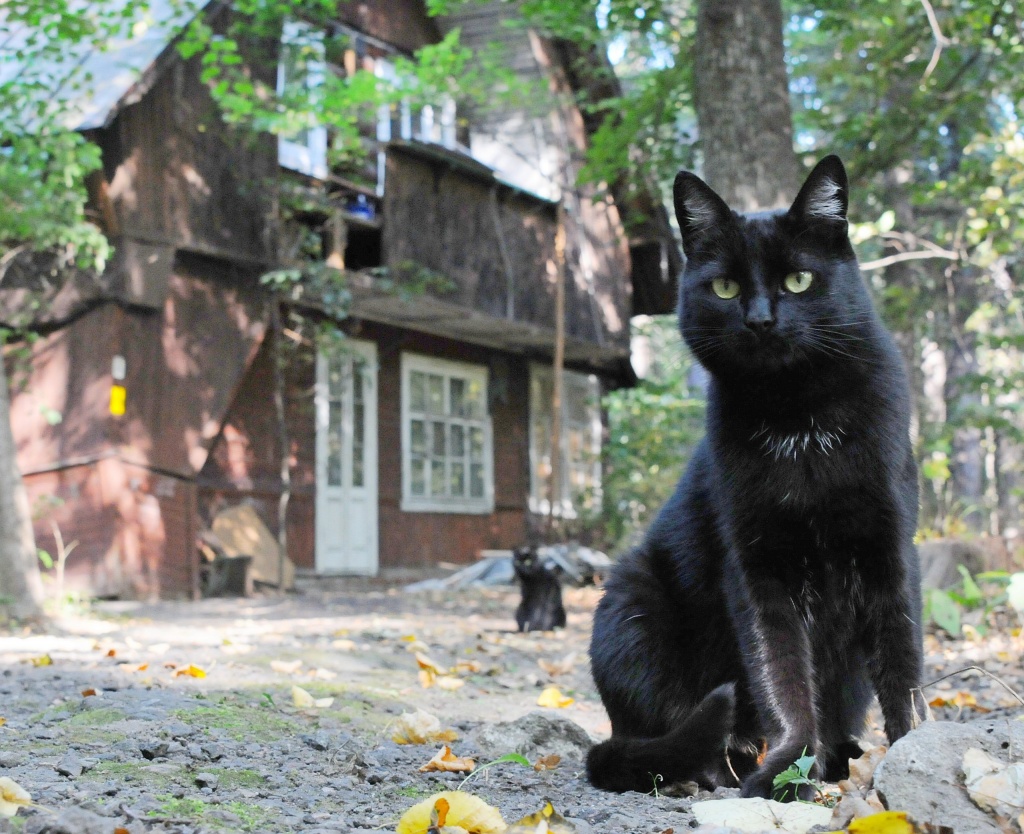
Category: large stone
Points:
column 72, row 820
column 535, row 734
column 940, row 558
column 923, row 772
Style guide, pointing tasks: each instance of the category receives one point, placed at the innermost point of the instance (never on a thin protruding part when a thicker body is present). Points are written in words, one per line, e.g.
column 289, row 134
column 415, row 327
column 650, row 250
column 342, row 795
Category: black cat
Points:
column 541, row 607
column 779, row 586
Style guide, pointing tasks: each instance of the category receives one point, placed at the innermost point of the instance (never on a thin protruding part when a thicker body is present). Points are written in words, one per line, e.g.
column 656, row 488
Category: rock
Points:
column 320, row 740
column 153, row 749
column 72, row 820
column 70, row 765
column 923, row 773
column 535, row 734
column 939, row 560
column 9, row 759
column 207, row 780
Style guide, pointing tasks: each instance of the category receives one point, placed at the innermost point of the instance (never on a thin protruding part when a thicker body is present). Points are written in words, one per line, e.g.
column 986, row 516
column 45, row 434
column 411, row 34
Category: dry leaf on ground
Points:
column 420, row 727
column 961, row 699
column 304, row 700
column 558, row 667
column 12, row 797
column 89, row 693
column 286, row 667
column 546, row 820
column 551, row 697
column 429, row 670
column 191, row 671
column 42, row 660
column 994, row 785
column 453, row 810
column 862, row 770
column 445, row 760
column 343, row 644
column 3, row 721
column 449, row 682
column 547, row 763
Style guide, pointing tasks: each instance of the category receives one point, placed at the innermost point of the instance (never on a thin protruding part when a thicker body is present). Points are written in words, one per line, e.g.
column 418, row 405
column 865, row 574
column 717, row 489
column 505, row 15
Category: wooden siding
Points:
column 179, row 176
column 186, row 362
column 403, row 23
column 451, row 219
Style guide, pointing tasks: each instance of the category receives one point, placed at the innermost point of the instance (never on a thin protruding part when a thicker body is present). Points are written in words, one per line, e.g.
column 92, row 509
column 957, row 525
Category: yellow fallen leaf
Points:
column 446, row 760
column 12, row 797
column 42, row 660
column 449, row 682
column 303, row 700
column 408, row 638
column 3, row 721
column 961, row 700
column 547, row 819
column 464, row 811
column 191, row 671
column 420, row 727
column 888, row 822
column 135, row 667
column 427, row 678
column 551, row 697
column 467, row 667
column 547, row 763
column 285, row 667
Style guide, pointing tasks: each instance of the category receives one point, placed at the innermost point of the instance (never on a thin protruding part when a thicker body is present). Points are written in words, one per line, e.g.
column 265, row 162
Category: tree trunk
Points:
column 21, row 589
column 741, row 94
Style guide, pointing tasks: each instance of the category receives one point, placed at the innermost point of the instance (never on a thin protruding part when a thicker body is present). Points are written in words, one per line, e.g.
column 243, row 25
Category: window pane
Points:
column 476, row 443
column 435, row 394
column 357, row 381
column 358, row 444
column 476, row 480
column 335, row 377
column 457, row 397
column 334, row 443
column 458, row 446
column 475, row 399
column 418, row 437
column 437, row 477
column 417, row 391
column 439, row 444
column 419, row 478
column 457, row 482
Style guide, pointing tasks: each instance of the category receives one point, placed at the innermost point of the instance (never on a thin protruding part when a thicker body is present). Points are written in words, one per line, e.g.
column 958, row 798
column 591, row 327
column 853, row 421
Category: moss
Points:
column 231, row 779
column 251, row 817
column 414, row 792
column 97, row 717
column 241, row 721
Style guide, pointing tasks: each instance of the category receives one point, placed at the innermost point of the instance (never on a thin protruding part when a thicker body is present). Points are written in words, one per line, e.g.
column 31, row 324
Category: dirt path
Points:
column 157, row 749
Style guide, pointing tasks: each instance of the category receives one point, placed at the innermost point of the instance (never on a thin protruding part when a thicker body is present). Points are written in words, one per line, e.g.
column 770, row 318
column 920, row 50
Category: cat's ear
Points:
column 824, row 197
column 700, row 211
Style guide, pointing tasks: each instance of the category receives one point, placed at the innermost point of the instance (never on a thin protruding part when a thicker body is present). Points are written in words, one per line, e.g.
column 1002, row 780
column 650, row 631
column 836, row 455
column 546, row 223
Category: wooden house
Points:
column 148, row 409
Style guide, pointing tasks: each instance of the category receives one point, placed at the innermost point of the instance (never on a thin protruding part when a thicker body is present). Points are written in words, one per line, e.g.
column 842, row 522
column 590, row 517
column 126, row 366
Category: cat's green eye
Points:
column 724, row 288
column 798, row 281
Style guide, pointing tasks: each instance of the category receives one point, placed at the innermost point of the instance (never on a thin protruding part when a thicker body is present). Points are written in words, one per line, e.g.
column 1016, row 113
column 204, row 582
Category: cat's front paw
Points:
column 762, row 782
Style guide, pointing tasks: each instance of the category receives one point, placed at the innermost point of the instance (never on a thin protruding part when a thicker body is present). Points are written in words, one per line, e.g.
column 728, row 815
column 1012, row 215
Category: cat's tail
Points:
column 688, row 753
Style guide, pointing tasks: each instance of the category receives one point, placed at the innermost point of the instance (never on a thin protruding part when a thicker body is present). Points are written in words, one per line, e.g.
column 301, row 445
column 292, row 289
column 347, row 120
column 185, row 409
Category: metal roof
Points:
column 81, row 84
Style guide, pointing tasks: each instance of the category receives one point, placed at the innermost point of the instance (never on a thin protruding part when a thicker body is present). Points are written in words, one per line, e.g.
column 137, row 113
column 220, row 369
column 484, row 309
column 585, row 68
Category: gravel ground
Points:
column 157, row 749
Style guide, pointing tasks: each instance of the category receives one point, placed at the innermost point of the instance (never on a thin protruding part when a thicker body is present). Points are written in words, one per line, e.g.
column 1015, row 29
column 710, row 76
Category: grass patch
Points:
column 241, row 721
column 251, row 817
column 97, row 717
column 414, row 792
column 241, row 778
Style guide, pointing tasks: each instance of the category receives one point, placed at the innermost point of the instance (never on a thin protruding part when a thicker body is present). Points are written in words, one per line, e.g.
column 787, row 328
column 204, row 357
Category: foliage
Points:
column 793, row 777
column 651, row 431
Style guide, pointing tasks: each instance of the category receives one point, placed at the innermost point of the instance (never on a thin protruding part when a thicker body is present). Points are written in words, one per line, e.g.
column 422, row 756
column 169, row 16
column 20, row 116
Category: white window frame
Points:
column 309, row 157
column 540, row 420
column 484, row 505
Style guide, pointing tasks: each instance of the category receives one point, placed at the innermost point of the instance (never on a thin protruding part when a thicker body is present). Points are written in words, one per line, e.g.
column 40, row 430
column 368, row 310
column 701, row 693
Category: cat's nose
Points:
column 759, row 316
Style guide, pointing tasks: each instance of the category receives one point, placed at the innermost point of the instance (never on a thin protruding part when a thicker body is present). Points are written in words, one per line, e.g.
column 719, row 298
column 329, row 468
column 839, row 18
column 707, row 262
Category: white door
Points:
column 346, row 459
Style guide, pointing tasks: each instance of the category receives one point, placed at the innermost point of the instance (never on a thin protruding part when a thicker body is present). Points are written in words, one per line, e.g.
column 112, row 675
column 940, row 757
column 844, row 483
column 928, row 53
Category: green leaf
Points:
column 942, row 609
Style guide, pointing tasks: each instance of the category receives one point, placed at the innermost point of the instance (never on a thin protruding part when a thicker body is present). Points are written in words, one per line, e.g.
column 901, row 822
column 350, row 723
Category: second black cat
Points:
column 779, row 586
column 541, row 606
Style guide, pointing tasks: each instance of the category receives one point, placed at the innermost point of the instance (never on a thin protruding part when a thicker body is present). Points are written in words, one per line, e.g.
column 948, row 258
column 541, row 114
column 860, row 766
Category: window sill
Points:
column 427, row 505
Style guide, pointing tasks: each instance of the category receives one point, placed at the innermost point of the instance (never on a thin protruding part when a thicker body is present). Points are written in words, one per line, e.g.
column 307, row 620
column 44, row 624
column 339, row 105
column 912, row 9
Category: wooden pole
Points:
column 554, row 493
column 283, row 441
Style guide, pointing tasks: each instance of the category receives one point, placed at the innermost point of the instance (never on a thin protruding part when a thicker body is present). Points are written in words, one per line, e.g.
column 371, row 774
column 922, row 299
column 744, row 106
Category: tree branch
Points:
column 881, row 263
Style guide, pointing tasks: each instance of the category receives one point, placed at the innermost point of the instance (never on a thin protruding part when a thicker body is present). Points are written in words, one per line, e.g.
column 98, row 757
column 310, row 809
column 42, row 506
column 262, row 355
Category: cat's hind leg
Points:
column 684, row 754
column 843, row 704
